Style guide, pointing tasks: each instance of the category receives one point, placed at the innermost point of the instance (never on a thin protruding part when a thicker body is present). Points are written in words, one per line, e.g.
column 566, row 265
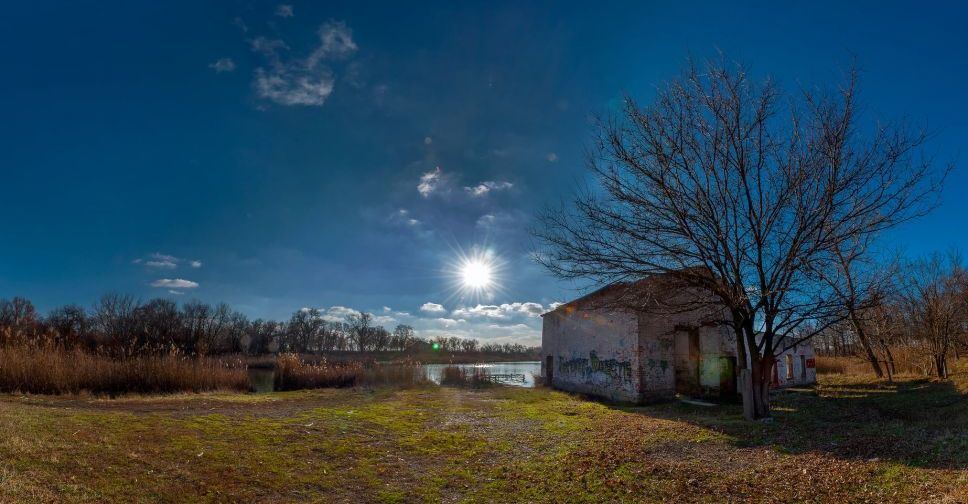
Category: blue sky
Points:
column 342, row 155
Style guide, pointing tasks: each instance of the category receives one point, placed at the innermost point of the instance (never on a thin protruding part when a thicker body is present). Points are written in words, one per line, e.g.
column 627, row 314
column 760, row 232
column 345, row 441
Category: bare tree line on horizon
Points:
column 120, row 324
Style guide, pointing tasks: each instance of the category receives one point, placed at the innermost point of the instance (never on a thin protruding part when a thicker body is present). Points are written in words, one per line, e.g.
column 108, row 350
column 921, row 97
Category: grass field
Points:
column 850, row 440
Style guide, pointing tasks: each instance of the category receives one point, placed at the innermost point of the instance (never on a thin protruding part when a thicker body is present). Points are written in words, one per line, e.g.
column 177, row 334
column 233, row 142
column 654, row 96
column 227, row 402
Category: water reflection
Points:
column 519, row 374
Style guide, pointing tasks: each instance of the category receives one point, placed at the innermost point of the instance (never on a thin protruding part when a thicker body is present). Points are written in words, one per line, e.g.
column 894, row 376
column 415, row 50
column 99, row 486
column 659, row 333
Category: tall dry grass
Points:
column 473, row 377
column 293, row 373
column 48, row 369
column 907, row 361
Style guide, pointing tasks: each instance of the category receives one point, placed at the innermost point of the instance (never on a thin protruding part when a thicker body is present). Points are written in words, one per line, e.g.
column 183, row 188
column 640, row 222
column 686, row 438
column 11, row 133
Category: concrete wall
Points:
column 657, row 344
column 801, row 373
column 698, row 354
column 593, row 352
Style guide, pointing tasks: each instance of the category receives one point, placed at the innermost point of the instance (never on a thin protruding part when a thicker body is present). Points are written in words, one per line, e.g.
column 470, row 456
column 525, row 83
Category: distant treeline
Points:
column 122, row 325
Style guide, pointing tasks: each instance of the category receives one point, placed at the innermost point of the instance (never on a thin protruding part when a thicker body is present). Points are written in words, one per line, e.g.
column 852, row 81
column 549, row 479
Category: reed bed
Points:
column 48, row 369
column 293, row 373
column 472, row 377
column 907, row 361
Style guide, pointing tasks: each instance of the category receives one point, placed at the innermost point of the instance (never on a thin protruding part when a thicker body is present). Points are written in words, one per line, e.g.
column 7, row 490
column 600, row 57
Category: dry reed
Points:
column 473, row 377
column 292, row 373
column 48, row 369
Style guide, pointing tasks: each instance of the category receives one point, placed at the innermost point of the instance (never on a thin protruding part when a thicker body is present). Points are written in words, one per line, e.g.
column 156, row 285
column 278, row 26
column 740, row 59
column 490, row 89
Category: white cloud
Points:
column 552, row 157
column 432, row 308
column 484, row 188
column 223, row 65
column 335, row 41
column 241, row 24
column 174, row 283
column 402, row 216
column 284, row 11
column 269, row 48
column 448, row 322
column 177, row 293
column 486, row 220
column 428, row 140
column 161, row 264
column 301, row 81
column 504, row 311
column 294, row 87
column 338, row 313
column 158, row 260
column 514, row 323
column 429, row 182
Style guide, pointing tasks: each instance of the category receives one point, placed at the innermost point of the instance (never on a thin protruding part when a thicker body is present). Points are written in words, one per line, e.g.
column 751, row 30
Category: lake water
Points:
column 518, row 374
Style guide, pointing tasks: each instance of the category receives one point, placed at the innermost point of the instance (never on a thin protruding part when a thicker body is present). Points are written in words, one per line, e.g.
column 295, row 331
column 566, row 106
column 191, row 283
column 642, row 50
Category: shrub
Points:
column 50, row 369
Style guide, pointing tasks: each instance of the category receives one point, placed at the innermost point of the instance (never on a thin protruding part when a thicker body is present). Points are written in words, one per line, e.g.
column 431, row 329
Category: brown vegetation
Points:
column 49, row 369
column 905, row 361
column 473, row 377
column 293, row 373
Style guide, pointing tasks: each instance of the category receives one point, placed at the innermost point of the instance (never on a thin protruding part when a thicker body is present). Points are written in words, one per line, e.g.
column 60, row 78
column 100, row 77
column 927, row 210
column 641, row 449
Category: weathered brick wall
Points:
column 593, row 352
column 657, row 348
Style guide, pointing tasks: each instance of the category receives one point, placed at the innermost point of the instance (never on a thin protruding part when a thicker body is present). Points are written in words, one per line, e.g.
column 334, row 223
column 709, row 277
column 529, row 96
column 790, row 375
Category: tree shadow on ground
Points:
column 916, row 422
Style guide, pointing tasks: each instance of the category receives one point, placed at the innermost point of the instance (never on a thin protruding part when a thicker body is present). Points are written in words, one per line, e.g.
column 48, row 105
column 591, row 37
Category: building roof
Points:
column 629, row 295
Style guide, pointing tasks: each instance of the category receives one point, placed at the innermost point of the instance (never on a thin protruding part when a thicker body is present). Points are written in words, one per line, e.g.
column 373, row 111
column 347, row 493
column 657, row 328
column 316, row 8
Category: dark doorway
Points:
column 727, row 376
column 549, row 370
column 688, row 361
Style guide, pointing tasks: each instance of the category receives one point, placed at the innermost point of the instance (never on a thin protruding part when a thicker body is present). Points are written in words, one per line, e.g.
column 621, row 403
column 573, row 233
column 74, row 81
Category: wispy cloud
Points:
column 223, row 65
column 432, row 308
column 284, row 11
column 157, row 260
column 336, row 41
column 486, row 187
column 174, row 283
column 552, row 157
column 402, row 216
column 302, row 81
column 240, row 23
column 429, row 182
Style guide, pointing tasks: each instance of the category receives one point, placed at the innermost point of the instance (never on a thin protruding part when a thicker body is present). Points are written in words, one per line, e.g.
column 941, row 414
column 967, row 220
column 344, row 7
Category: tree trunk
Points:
column 941, row 365
column 866, row 344
column 890, row 358
column 760, row 385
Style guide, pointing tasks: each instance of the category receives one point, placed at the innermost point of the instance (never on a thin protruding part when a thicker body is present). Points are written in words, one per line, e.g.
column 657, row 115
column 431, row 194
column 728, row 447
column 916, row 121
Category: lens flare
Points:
column 476, row 275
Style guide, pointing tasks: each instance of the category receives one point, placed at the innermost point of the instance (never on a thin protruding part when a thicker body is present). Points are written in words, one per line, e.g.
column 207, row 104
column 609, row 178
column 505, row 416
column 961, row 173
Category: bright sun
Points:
column 475, row 274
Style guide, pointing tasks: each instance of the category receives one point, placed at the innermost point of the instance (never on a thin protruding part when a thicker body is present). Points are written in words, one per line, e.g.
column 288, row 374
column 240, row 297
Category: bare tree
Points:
column 936, row 305
column 18, row 319
column 730, row 189
column 304, row 330
column 115, row 322
column 860, row 285
column 361, row 330
column 69, row 324
column 160, row 324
